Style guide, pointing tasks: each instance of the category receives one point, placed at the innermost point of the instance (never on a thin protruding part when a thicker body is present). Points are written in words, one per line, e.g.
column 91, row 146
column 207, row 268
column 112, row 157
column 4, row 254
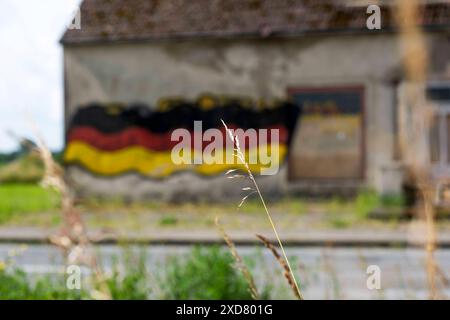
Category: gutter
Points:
column 238, row 36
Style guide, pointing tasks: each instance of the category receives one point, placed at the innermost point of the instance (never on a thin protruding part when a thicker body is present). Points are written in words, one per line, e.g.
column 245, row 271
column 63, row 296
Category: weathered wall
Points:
column 145, row 72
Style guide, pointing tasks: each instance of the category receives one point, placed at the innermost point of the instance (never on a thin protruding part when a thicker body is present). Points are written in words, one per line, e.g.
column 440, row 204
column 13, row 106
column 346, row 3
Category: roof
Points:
column 136, row 20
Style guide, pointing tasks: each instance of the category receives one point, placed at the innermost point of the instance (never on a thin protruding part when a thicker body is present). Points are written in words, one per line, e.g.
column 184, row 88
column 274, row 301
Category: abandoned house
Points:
column 317, row 56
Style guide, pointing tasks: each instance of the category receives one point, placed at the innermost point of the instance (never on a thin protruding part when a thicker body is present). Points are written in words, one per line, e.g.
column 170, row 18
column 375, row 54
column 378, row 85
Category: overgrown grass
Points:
column 32, row 205
column 295, row 205
column 132, row 283
column 16, row 284
column 168, row 221
column 207, row 273
column 361, row 205
column 19, row 199
column 365, row 202
column 204, row 273
column 343, row 213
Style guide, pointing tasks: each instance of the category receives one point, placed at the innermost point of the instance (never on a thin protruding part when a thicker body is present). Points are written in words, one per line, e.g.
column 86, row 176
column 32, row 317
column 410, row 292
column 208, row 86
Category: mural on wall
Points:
column 114, row 139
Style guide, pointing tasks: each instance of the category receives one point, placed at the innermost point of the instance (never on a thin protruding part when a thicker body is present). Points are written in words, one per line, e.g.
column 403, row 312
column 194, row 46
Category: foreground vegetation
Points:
column 206, row 273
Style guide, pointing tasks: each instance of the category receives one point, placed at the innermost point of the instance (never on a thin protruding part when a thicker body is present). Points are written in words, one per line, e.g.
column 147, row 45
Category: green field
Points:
column 20, row 200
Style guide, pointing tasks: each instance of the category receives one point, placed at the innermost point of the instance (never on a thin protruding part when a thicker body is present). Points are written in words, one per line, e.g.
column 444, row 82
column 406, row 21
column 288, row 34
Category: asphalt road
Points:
column 324, row 273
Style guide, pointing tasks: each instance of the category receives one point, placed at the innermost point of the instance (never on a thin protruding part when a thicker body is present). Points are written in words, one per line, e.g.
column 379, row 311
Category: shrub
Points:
column 207, row 273
column 365, row 202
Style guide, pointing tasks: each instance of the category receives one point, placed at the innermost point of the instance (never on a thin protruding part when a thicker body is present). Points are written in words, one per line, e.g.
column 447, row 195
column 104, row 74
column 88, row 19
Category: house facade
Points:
column 318, row 55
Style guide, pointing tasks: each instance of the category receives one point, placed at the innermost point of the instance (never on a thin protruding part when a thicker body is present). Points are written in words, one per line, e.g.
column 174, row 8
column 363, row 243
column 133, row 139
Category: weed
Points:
column 255, row 190
column 168, row 221
column 132, row 282
column 16, row 284
column 207, row 273
column 366, row 201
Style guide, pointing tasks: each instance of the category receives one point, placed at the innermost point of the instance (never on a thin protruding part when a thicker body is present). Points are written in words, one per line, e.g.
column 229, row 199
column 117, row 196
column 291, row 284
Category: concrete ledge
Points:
column 333, row 238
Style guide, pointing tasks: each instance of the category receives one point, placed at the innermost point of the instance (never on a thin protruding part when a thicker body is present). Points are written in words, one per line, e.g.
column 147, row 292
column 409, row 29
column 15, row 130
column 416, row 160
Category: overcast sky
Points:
column 31, row 68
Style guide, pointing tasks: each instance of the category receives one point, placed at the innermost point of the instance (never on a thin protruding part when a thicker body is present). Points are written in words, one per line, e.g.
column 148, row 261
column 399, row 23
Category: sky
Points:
column 31, row 69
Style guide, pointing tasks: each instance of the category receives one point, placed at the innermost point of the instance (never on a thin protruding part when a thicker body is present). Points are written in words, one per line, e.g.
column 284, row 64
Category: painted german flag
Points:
column 115, row 139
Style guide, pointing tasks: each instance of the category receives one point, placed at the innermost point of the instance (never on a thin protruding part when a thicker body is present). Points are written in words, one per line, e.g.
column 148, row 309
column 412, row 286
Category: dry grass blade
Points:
column 286, row 270
column 230, row 171
column 241, row 157
column 445, row 281
column 430, row 245
column 245, row 198
column 240, row 265
column 416, row 115
column 72, row 237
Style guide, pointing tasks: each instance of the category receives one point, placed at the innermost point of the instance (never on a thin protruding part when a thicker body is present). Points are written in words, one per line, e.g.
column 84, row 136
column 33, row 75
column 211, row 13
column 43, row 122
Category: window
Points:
column 328, row 142
column 439, row 94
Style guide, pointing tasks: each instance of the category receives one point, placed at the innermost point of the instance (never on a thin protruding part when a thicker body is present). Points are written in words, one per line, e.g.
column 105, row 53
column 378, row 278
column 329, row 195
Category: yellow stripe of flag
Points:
column 156, row 164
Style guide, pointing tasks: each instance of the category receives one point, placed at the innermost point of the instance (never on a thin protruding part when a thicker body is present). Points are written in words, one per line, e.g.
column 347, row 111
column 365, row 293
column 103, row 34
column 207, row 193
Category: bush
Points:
column 207, row 273
column 366, row 201
column 369, row 200
column 393, row 201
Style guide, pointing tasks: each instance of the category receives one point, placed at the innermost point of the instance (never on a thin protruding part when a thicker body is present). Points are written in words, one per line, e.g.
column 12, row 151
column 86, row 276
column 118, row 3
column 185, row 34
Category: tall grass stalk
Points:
column 240, row 265
column 240, row 155
column 416, row 115
column 72, row 238
column 284, row 265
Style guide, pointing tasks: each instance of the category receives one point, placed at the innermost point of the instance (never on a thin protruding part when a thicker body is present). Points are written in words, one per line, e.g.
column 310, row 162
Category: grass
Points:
column 207, row 273
column 19, row 200
column 294, row 205
column 204, row 273
column 133, row 284
column 17, row 285
column 344, row 213
column 130, row 283
column 360, row 206
column 22, row 200
column 255, row 190
column 168, row 221
column 365, row 202
column 31, row 205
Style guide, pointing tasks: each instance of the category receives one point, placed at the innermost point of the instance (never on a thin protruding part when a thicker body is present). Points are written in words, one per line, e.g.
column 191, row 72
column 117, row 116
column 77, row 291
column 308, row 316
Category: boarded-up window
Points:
column 328, row 140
